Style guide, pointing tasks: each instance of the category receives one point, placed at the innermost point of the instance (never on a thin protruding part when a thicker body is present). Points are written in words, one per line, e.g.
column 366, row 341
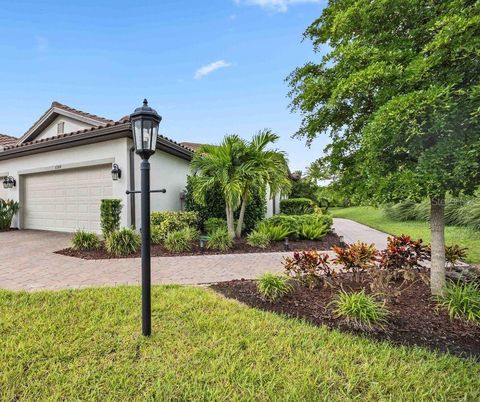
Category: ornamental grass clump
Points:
column 123, row 242
column 257, row 238
column 462, row 301
column 273, row 287
column 220, row 240
column 85, row 241
column 181, row 240
column 359, row 310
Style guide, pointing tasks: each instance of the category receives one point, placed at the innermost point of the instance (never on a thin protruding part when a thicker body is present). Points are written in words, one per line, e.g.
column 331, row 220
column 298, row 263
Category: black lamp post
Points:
column 145, row 122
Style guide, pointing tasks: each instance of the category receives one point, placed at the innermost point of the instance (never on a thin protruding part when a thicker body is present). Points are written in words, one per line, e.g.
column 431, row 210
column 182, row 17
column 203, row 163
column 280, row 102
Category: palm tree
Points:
column 239, row 168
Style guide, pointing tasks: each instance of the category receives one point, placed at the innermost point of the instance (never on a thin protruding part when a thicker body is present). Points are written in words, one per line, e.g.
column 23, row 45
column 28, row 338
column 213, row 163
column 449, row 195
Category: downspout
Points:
column 131, row 156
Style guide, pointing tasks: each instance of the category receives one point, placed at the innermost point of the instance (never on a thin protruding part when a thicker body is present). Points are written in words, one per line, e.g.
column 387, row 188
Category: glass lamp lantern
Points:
column 145, row 122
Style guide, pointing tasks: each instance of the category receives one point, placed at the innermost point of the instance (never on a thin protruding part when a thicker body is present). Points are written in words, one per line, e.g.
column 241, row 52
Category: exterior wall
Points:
column 166, row 171
column 273, row 204
column 113, row 151
column 71, row 125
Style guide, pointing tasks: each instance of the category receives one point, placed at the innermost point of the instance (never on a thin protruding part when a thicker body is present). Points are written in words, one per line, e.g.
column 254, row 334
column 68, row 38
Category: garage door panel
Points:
column 66, row 200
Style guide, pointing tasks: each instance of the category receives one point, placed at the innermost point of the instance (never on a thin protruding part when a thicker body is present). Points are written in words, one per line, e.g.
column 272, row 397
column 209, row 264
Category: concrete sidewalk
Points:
column 353, row 231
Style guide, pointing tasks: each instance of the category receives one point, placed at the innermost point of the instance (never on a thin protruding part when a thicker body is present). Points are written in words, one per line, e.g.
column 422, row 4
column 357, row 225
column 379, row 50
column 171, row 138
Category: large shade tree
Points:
column 398, row 91
column 240, row 168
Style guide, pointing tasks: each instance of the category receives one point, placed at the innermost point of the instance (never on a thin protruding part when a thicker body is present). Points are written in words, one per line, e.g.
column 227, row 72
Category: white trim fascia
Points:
column 67, row 166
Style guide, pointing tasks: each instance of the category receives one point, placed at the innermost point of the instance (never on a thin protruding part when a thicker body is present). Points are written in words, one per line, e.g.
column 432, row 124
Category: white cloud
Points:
column 275, row 5
column 210, row 68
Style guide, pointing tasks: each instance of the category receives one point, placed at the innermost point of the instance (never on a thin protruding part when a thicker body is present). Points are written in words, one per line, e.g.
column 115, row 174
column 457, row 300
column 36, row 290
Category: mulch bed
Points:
column 240, row 246
column 414, row 317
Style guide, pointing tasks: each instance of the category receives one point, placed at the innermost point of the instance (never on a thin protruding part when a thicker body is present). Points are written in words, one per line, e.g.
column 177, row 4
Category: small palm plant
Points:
column 8, row 209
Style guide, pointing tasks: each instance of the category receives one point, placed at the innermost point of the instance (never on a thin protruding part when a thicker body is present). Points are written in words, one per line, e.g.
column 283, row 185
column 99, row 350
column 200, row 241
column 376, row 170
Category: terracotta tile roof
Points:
column 6, row 140
column 123, row 120
column 193, row 146
column 48, row 139
column 85, row 114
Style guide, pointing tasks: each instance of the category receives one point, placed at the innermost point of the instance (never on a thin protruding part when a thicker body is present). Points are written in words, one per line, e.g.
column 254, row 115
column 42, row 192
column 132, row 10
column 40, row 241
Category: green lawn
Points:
column 85, row 345
column 375, row 218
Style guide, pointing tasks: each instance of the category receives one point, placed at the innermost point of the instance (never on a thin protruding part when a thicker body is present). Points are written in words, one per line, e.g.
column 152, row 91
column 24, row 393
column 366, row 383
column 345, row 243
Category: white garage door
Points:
column 66, row 200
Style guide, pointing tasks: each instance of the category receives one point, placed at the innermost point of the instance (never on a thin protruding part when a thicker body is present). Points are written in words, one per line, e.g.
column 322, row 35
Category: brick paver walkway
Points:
column 27, row 262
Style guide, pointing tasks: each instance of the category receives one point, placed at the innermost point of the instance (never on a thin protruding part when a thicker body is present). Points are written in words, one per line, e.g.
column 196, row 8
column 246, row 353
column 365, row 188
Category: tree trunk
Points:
column 241, row 217
column 437, row 223
column 230, row 220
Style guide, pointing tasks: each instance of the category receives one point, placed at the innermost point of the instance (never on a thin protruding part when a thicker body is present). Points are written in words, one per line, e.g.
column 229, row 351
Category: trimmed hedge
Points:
column 110, row 210
column 297, row 206
column 215, row 207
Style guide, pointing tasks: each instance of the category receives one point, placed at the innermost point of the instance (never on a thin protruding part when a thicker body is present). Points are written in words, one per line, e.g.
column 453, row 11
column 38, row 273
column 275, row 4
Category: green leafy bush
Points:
column 257, row 238
column 220, row 240
column 462, row 300
column 172, row 221
column 310, row 268
column 212, row 224
column 402, row 211
column 110, row 210
column 294, row 223
column 156, row 234
column 215, row 207
column 272, row 286
column 123, row 242
column 181, row 240
column 469, row 214
column 8, row 209
column 85, row 241
column 360, row 310
column 297, row 206
column 274, row 232
column 312, row 231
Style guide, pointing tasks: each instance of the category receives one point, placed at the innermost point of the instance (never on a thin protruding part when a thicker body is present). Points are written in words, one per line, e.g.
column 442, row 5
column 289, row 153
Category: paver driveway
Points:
column 27, row 262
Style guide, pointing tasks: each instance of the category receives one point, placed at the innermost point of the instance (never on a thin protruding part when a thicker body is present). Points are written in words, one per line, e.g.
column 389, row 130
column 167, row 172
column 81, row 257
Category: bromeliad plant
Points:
column 356, row 258
column 310, row 268
column 8, row 209
column 453, row 254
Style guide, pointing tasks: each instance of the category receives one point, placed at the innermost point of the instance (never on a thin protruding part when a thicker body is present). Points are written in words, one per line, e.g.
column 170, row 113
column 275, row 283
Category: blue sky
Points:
column 210, row 68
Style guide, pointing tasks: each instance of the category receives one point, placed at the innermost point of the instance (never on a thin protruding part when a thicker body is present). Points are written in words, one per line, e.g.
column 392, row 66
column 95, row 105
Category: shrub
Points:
column 454, row 253
column 85, row 241
column 215, row 207
column 313, row 231
column 257, row 238
column 309, row 268
column 8, row 209
column 181, row 240
column 110, row 210
column 462, row 301
column 122, row 242
column 360, row 310
column 172, row 221
column 274, row 232
column 212, row 224
column 272, row 286
column 356, row 257
column 469, row 213
column 220, row 240
column 297, row 206
column 156, row 234
column 294, row 223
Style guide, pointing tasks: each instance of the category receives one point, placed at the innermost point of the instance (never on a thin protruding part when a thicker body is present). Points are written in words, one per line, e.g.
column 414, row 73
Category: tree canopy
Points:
column 398, row 91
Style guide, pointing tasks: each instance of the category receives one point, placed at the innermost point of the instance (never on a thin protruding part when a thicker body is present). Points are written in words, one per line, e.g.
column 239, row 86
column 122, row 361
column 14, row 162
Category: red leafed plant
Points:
column 357, row 258
column 399, row 265
column 309, row 268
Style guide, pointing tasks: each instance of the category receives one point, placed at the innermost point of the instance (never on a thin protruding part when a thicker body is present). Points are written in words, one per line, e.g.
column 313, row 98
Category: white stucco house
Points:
column 62, row 169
